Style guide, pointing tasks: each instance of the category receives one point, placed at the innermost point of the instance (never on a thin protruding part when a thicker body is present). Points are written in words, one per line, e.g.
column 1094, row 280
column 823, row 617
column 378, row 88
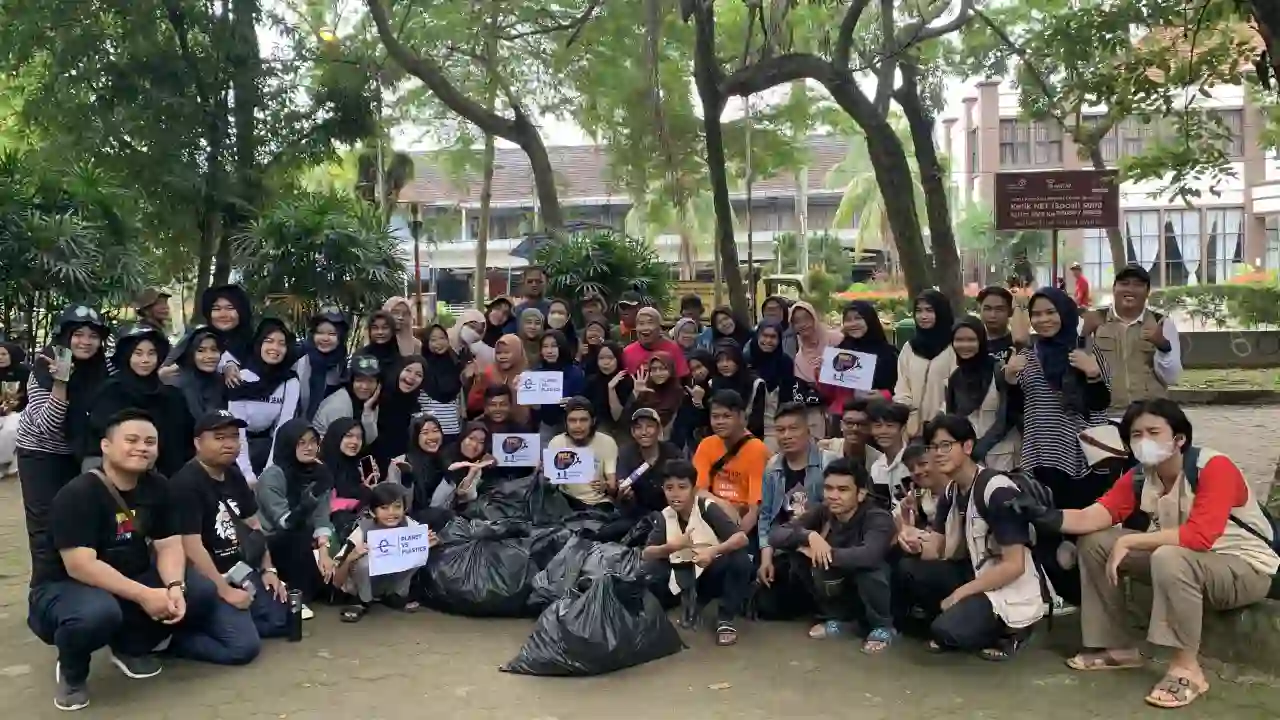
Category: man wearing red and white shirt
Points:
column 1081, row 293
column 1208, row 545
column 650, row 340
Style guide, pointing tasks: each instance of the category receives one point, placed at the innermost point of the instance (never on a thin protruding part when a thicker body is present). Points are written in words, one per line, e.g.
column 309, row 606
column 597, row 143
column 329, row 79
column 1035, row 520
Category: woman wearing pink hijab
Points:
column 812, row 337
column 402, row 311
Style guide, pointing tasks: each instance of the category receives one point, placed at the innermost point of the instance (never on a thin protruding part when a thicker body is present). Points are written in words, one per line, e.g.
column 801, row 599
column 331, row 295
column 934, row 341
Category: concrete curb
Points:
column 1243, row 396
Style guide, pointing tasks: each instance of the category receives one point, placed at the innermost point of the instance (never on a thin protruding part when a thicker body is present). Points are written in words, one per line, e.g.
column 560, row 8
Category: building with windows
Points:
column 1228, row 231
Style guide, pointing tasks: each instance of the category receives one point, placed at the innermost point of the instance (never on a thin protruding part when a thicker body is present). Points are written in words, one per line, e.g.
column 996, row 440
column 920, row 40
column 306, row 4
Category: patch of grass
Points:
column 1265, row 378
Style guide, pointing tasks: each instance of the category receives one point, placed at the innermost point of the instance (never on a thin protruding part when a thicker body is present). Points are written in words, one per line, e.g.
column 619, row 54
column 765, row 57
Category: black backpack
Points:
column 1191, row 469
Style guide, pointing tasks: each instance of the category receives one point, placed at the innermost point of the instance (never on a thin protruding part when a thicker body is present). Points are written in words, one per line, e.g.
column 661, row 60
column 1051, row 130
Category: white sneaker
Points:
column 1060, row 607
column 307, row 613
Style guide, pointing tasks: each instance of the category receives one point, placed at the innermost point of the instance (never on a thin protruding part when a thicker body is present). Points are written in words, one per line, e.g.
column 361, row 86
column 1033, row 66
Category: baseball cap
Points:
column 644, row 413
column 216, row 419
column 1134, row 271
column 365, row 366
column 1075, row 266
column 149, row 297
column 630, row 297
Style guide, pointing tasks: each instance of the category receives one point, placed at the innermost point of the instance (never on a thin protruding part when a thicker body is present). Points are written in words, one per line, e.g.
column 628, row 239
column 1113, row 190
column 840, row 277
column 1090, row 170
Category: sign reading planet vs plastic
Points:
column 541, row 387
column 516, row 449
column 569, row 466
column 847, row 368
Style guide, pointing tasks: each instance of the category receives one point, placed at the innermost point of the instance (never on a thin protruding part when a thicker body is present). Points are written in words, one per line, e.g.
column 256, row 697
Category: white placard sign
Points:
column 516, row 449
column 541, row 387
column 397, row 549
column 847, row 368
column 569, row 466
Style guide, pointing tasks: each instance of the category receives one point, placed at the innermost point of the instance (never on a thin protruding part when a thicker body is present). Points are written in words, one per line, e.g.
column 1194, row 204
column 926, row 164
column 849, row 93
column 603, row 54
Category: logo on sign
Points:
column 845, row 361
column 513, row 444
column 566, row 459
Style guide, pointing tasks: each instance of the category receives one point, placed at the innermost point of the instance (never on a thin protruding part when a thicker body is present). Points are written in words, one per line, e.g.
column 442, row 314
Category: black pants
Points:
column 293, row 553
column 727, row 578
column 42, row 475
column 861, row 596
column 969, row 625
column 1068, row 494
column 924, row 584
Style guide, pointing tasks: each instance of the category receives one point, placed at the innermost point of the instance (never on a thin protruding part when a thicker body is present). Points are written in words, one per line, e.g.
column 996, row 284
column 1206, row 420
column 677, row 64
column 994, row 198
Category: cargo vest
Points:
column 1130, row 360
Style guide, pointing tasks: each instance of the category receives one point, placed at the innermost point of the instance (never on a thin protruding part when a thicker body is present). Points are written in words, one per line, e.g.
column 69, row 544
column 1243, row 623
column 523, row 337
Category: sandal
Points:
column 934, row 647
column 726, row 634
column 877, row 641
column 828, row 629
column 353, row 613
column 1183, row 690
column 1006, row 649
column 1101, row 660
column 401, row 603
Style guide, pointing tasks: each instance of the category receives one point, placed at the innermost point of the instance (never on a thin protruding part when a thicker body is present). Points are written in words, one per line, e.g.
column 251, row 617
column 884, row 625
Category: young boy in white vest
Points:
column 1208, row 545
column 979, row 546
column 698, row 552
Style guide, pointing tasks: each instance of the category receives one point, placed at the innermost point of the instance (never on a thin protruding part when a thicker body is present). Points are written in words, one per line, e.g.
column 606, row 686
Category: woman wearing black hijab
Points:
column 13, row 398
column 136, row 385
column 422, row 469
column 766, row 358
column 381, row 329
column 197, row 375
column 732, row 373
column 293, row 505
column 863, row 332
column 324, row 360
column 725, row 326
column 926, row 361
column 609, row 389
column 227, row 310
column 693, row 419
column 342, row 451
column 267, row 396
column 57, row 419
column 442, row 384
column 977, row 391
column 397, row 404
column 555, row 354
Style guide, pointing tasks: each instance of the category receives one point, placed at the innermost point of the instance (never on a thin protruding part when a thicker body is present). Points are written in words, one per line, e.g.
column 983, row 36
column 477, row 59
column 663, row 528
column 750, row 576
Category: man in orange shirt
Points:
column 731, row 461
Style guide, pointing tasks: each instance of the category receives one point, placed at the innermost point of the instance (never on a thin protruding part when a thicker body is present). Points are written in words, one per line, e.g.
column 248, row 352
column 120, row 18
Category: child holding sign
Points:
column 386, row 510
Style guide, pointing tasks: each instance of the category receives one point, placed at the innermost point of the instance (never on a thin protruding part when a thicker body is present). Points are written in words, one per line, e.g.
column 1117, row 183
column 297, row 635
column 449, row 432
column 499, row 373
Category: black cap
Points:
column 1134, row 271
column 630, row 297
column 216, row 419
column 365, row 365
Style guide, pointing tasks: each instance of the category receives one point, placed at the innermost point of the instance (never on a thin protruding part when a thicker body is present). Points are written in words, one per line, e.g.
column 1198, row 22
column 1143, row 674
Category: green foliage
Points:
column 1251, row 305
column 976, row 233
column 67, row 234
column 825, row 251
column 820, row 288
column 606, row 262
column 317, row 250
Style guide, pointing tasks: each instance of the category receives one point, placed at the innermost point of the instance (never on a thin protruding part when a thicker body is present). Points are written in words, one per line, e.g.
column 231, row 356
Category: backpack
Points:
column 1191, row 469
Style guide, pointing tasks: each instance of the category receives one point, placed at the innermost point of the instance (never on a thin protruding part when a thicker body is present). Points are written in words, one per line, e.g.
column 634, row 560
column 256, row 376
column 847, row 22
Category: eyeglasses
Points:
column 942, row 447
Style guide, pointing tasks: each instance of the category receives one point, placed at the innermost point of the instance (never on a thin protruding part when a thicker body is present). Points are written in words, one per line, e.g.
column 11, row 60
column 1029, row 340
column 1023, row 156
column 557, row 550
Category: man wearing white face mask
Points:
column 1209, row 544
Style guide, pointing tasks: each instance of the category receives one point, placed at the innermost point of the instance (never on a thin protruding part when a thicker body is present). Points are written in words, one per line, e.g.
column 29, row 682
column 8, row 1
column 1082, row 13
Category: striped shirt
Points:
column 42, row 427
column 1051, row 432
column 446, row 413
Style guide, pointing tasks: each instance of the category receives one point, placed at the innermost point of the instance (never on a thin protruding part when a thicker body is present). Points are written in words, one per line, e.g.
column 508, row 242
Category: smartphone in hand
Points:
column 61, row 370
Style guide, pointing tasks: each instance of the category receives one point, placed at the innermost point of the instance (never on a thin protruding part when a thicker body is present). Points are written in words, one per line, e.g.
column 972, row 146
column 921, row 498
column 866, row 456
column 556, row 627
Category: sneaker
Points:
column 307, row 613
column 137, row 667
column 67, row 696
column 1060, row 607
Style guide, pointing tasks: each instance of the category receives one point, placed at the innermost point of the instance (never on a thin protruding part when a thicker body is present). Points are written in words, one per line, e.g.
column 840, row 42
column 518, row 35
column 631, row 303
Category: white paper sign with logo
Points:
column 397, row 549
column 569, row 466
column 847, row 369
column 540, row 387
column 516, row 449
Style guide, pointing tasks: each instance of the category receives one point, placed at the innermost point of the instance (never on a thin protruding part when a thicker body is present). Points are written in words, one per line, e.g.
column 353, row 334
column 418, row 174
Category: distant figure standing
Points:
column 1081, row 292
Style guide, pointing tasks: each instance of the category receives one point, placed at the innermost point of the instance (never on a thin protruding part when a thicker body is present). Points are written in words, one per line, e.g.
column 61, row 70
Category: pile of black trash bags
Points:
column 518, row 551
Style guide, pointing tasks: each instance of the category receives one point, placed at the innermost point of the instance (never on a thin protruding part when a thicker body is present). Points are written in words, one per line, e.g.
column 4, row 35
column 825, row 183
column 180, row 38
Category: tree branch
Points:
column 1030, row 68
column 178, row 21
column 844, row 36
column 775, row 71
column 888, row 58
column 575, row 24
column 430, row 73
column 923, row 30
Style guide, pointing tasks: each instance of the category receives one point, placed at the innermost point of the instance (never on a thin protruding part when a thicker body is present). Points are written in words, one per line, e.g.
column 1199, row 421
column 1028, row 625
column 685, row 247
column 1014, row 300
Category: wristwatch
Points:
column 177, row 584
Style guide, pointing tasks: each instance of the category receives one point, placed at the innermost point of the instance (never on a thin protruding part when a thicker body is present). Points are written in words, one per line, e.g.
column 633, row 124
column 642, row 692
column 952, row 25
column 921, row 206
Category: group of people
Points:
column 976, row 486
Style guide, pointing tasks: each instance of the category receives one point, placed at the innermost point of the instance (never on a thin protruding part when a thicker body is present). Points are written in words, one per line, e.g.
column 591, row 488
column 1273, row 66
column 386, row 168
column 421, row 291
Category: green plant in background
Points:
column 321, row 249
column 1249, row 305
column 825, row 251
column 606, row 262
column 820, row 289
column 998, row 251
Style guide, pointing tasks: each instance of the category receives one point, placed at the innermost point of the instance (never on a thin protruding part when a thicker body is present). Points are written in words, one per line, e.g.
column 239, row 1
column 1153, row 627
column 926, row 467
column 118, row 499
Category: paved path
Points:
column 429, row 665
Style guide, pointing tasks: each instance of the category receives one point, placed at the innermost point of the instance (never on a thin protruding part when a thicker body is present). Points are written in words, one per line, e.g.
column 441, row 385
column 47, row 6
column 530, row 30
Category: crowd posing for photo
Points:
column 191, row 498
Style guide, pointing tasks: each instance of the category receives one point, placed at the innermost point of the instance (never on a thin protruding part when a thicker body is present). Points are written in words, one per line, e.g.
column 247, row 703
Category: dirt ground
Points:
column 392, row 666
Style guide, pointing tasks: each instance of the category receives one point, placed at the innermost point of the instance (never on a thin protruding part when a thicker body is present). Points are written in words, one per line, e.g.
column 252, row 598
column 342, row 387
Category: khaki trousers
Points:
column 1184, row 582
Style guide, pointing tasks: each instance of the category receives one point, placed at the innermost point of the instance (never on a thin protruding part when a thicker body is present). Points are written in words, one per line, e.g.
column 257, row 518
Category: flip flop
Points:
column 1102, row 660
column 726, row 634
column 1183, row 690
column 353, row 613
column 828, row 629
column 877, row 641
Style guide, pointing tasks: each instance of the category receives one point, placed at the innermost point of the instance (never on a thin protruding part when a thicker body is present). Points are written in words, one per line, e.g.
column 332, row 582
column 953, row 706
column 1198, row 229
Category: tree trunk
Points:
column 246, row 74
column 482, row 237
column 893, row 176
column 946, row 257
column 1119, row 252
column 544, row 175
column 705, row 71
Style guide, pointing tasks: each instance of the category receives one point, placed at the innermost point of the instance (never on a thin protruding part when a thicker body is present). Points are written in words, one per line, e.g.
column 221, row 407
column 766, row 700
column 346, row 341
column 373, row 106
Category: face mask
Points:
column 557, row 320
column 1149, row 452
column 469, row 335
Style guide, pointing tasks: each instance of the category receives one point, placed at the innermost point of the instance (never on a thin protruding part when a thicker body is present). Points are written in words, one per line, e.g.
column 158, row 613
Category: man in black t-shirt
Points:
column 99, row 586
column 218, row 526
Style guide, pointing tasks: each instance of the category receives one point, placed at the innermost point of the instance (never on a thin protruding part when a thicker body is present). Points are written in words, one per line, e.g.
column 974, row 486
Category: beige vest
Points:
column 703, row 536
column 922, row 386
column 1130, row 361
column 1004, row 456
column 1170, row 509
column 1019, row 603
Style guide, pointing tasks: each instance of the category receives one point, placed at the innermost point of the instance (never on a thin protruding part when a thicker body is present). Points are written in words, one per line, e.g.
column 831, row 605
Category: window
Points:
column 1224, row 243
column 1048, row 144
column 1015, row 143
column 1142, row 238
column 1233, row 121
column 473, row 227
column 1133, row 136
column 1097, row 258
column 1273, row 243
column 1181, row 248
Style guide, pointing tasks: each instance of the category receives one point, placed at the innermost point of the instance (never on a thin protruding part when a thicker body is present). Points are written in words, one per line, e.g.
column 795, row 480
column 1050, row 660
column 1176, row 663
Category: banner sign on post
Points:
column 395, row 550
column 847, row 368
column 540, row 387
column 569, row 466
column 516, row 449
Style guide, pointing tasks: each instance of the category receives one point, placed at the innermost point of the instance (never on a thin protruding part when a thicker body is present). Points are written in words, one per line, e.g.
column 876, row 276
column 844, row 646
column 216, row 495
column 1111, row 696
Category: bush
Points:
column 1250, row 305
column 606, row 262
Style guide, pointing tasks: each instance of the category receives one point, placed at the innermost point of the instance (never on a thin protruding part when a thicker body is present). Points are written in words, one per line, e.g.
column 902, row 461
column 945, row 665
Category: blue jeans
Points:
column 270, row 614
column 79, row 619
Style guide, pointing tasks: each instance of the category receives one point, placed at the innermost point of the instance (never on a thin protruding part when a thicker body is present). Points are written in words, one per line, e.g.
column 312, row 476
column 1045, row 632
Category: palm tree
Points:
column 976, row 233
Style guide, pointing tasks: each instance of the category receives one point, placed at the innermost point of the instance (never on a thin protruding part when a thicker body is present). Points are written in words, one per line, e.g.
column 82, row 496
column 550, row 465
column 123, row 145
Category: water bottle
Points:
column 295, row 616
column 634, row 476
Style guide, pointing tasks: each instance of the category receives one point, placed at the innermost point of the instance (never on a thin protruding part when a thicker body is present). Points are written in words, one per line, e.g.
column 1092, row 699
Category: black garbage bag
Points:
column 545, row 543
column 520, row 498
column 481, row 569
column 581, row 559
column 614, row 623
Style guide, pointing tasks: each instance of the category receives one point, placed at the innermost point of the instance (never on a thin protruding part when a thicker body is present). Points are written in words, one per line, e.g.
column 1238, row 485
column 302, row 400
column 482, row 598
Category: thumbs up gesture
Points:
column 1153, row 332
